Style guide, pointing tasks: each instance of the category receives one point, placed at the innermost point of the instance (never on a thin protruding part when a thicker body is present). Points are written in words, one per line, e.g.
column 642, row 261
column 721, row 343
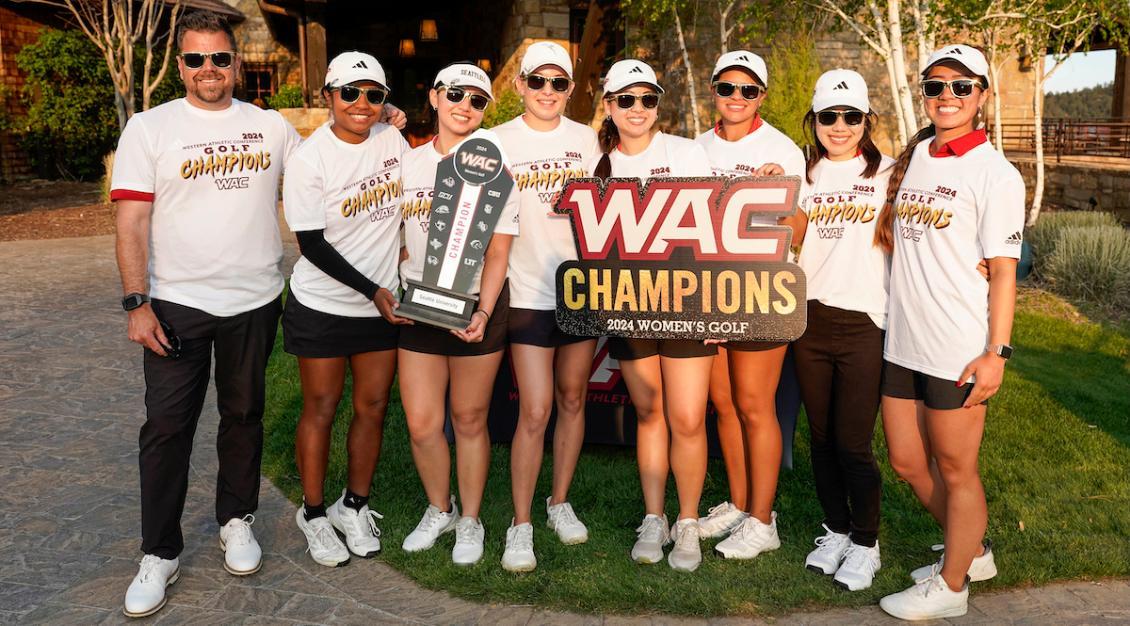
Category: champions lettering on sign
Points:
column 681, row 259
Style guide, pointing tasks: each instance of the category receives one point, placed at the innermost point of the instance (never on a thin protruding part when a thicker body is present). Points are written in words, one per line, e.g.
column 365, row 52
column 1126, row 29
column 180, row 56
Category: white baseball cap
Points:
column 546, row 53
column 971, row 58
column 463, row 75
column 840, row 88
column 627, row 73
column 745, row 60
column 352, row 67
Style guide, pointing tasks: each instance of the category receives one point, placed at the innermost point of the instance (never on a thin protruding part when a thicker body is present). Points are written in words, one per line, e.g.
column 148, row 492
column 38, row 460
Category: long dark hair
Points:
column 884, row 229
column 871, row 154
column 609, row 137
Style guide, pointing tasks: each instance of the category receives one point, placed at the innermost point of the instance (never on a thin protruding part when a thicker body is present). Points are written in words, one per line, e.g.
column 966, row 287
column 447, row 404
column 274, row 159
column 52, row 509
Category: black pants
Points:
column 174, row 396
column 839, row 363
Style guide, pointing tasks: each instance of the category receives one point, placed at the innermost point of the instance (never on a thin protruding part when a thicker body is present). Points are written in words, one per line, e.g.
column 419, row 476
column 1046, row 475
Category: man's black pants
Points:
column 839, row 363
column 174, row 396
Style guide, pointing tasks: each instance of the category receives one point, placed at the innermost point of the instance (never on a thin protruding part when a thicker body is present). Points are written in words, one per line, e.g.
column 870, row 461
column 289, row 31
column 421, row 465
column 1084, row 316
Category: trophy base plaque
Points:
column 437, row 306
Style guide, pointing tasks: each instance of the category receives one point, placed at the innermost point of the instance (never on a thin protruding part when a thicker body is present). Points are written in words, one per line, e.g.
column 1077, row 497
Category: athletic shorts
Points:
column 420, row 337
column 538, row 328
column 313, row 334
column 754, row 346
column 623, row 349
column 937, row 393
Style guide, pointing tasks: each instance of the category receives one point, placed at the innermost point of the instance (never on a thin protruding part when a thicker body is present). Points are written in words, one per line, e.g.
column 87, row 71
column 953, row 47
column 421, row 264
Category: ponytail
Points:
column 884, row 229
column 609, row 138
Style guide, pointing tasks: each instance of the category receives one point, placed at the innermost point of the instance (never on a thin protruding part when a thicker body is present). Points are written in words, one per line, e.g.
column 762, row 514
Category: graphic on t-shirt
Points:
column 222, row 157
column 549, row 175
column 830, row 212
column 374, row 193
column 921, row 207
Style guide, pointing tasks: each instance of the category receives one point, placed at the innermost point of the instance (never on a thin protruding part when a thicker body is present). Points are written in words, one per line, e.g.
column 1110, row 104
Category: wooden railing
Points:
column 1069, row 137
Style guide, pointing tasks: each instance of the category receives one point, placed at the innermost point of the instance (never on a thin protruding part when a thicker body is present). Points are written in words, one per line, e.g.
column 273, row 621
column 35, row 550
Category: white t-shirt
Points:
column 542, row 162
column 951, row 212
column 419, row 183
column 843, row 266
column 353, row 191
column 764, row 145
column 666, row 156
column 213, row 179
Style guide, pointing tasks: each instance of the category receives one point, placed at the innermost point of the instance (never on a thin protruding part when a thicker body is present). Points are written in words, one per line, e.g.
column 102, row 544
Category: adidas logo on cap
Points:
column 744, row 58
column 636, row 70
column 842, row 85
column 360, row 64
column 1015, row 239
column 955, row 51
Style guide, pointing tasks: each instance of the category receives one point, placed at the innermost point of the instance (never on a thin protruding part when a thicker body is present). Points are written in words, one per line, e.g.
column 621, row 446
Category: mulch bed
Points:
column 46, row 209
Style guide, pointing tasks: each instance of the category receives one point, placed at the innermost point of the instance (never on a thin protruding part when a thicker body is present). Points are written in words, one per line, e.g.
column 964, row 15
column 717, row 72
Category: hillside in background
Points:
column 1091, row 102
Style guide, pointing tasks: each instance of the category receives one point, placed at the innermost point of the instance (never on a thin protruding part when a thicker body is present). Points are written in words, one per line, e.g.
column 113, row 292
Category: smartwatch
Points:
column 1002, row 350
column 134, row 300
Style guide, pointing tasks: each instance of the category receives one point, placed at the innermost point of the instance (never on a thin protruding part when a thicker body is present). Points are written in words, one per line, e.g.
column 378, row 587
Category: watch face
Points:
column 1005, row 351
column 132, row 301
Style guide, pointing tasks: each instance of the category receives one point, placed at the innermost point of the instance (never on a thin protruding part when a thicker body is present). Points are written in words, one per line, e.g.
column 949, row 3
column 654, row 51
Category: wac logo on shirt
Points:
column 374, row 191
column 219, row 159
column 681, row 258
column 925, row 207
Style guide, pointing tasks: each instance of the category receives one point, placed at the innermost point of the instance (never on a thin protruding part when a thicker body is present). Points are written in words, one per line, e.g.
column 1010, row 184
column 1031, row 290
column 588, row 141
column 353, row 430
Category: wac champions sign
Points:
column 681, row 258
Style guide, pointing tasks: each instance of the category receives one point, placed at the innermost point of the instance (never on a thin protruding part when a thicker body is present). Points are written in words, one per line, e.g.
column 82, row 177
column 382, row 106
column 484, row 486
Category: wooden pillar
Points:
column 1120, row 107
column 316, row 57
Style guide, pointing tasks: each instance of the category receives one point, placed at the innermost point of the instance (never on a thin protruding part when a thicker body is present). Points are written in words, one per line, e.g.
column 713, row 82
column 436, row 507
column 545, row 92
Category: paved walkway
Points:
column 70, row 408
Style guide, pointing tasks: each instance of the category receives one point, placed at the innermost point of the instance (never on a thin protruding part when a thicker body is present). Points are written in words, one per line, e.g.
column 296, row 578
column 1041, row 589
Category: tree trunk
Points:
column 896, row 103
column 898, row 55
column 690, row 72
column 1038, row 120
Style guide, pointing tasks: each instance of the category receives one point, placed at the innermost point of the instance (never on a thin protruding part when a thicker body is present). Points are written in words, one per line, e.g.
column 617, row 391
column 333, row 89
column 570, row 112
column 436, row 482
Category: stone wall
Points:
column 529, row 21
column 16, row 31
column 1081, row 185
column 257, row 43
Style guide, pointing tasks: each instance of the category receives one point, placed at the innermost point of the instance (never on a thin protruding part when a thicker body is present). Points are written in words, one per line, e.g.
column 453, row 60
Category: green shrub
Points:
column 1091, row 263
column 1045, row 234
column 507, row 106
column 287, row 97
column 794, row 68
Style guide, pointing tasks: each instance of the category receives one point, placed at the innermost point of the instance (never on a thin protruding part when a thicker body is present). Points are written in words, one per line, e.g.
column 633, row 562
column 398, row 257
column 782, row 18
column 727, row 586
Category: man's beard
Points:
column 211, row 93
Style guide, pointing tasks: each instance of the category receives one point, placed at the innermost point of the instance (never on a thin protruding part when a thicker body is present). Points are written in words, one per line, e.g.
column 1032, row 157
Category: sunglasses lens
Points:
column 479, row 103
column 853, row 118
column 826, row 118
column 962, row 88
column 376, row 96
column 222, row 59
column 724, row 90
column 650, row 100
column 625, row 100
column 750, row 92
column 535, row 82
column 455, row 94
column 560, row 84
column 349, row 93
column 193, row 60
column 932, row 88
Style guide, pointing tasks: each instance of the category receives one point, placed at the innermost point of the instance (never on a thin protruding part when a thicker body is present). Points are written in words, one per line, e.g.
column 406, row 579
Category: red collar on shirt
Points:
column 963, row 144
column 754, row 124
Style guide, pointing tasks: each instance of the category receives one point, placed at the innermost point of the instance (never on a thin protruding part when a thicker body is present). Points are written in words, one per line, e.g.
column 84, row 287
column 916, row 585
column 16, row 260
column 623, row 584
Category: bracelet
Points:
column 484, row 312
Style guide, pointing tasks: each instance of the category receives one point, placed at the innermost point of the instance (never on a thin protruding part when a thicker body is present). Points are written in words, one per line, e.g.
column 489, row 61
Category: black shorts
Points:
column 937, row 393
column 538, row 328
column 754, row 346
column 623, row 349
column 420, row 337
column 313, row 334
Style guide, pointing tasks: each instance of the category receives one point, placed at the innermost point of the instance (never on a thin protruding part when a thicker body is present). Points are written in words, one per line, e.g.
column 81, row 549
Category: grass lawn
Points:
column 1056, row 466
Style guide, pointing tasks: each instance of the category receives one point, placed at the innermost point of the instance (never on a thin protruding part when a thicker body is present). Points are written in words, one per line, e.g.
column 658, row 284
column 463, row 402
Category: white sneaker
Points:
column 433, row 524
column 564, row 522
column 519, row 553
column 720, row 521
column 362, row 536
column 982, row 568
column 242, row 554
column 686, row 556
column 653, row 534
column 750, row 538
column 468, row 541
column 858, row 568
column 322, row 542
column 930, row 598
column 829, row 552
column 146, row 594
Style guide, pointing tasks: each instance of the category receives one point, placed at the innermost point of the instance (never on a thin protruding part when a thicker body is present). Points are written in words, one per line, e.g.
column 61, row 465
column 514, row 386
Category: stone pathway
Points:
column 70, row 409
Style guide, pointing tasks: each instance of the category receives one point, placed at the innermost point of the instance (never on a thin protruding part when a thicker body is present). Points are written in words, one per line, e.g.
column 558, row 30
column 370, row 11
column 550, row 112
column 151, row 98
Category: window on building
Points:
column 258, row 82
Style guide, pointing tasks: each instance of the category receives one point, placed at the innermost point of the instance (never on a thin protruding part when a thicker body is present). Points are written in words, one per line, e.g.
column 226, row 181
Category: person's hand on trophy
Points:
column 769, row 169
column 387, row 305
column 476, row 329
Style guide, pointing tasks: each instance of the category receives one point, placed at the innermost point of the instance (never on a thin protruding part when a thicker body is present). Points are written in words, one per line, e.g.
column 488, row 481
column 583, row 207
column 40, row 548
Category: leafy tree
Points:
column 288, row 97
column 506, row 107
column 794, row 68
column 1089, row 103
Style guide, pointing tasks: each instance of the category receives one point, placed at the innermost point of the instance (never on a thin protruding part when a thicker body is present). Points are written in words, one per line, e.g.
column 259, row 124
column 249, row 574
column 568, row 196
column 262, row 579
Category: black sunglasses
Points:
column 375, row 95
column 627, row 100
column 960, row 87
column 172, row 349
column 725, row 89
column 560, row 84
column 456, row 95
column 195, row 60
column 851, row 118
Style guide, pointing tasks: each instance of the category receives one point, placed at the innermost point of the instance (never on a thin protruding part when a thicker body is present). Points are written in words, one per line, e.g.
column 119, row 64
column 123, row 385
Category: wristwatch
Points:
column 1002, row 350
column 134, row 300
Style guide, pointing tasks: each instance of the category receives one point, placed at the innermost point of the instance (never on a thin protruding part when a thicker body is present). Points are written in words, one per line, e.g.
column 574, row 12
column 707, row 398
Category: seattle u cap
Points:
column 463, row 75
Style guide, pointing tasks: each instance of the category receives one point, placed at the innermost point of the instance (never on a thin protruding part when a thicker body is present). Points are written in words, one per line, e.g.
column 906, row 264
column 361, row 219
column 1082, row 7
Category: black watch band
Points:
column 134, row 300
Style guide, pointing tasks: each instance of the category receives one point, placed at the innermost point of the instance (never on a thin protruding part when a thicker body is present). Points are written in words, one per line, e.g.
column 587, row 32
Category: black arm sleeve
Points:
column 313, row 245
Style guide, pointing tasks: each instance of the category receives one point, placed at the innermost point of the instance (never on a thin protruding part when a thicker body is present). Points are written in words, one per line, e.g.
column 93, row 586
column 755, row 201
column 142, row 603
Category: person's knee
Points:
column 688, row 425
column 533, row 418
column 754, row 410
column 570, row 402
column 957, row 471
column 469, row 424
column 909, row 467
column 320, row 408
column 371, row 407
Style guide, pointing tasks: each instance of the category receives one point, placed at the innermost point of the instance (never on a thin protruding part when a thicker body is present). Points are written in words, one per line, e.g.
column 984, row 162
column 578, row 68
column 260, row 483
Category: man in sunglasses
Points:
column 196, row 185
